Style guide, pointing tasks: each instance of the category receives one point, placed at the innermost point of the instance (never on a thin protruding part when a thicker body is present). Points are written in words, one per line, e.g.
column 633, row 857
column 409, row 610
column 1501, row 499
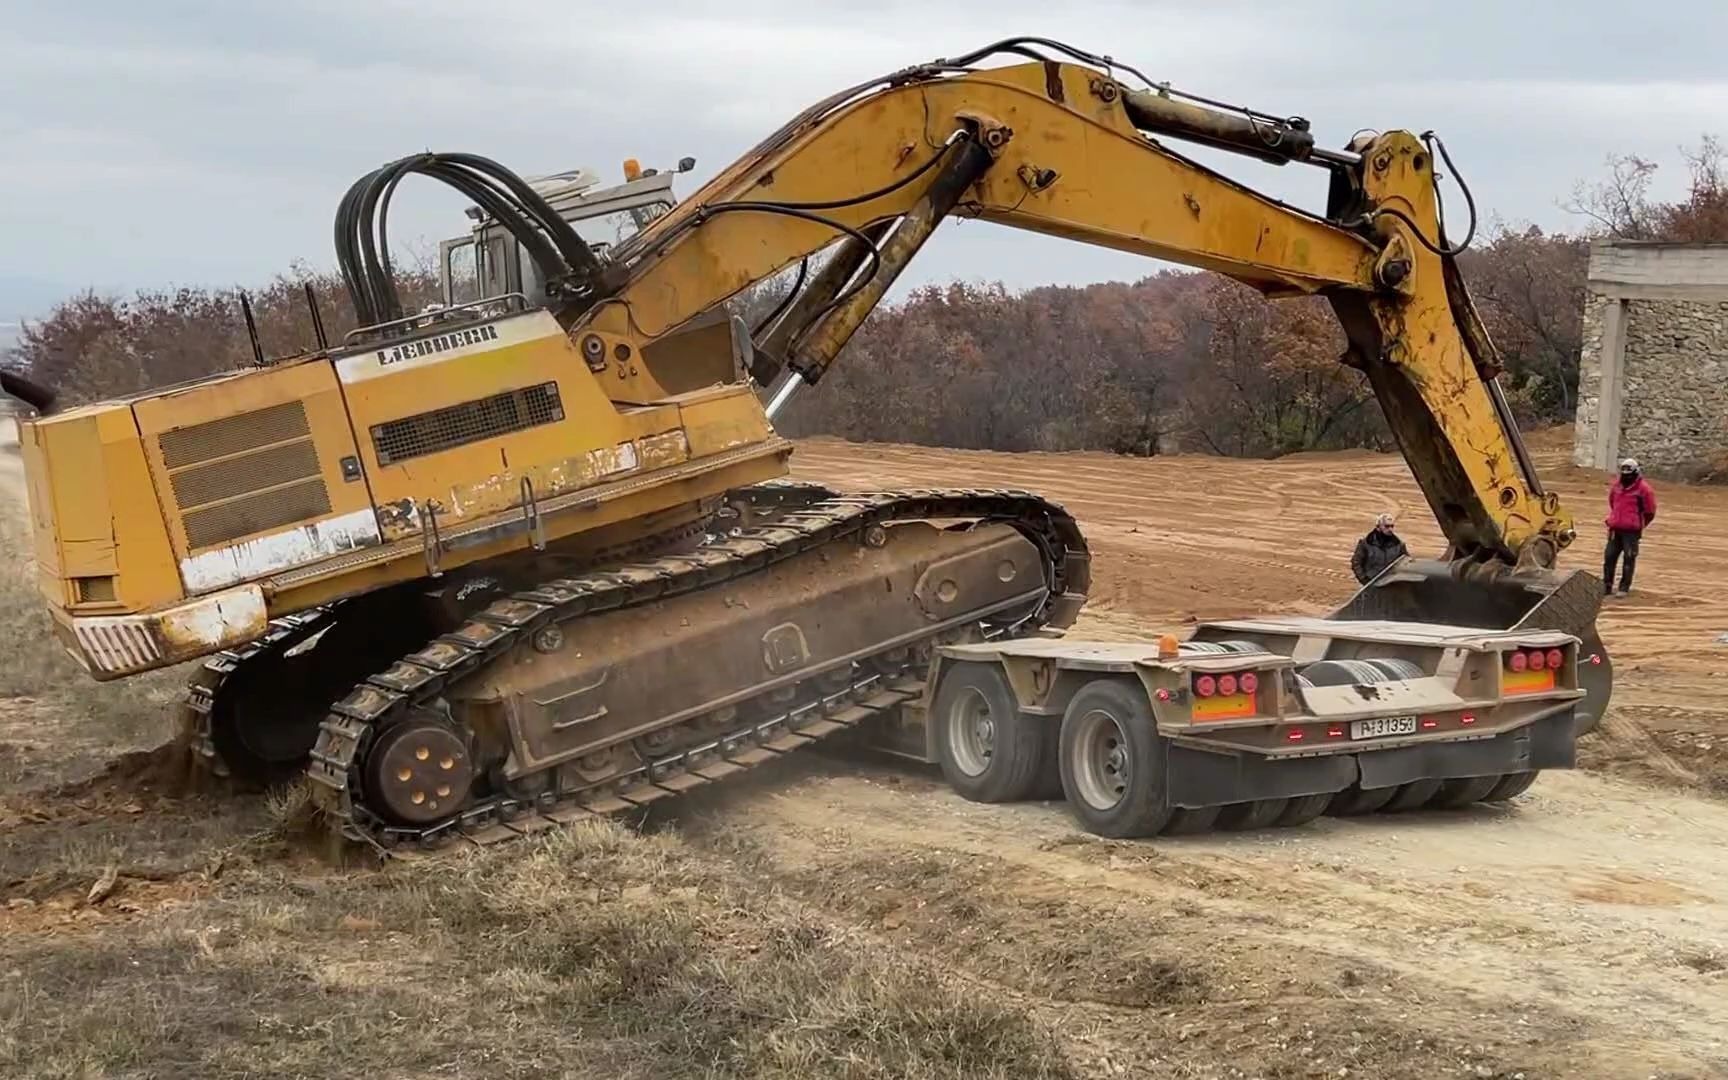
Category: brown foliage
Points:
column 1176, row 358
column 94, row 346
column 1619, row 205
column 1122, row 367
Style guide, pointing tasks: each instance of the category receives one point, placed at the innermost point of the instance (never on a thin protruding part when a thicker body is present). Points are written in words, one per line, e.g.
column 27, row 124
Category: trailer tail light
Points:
column 1162, row 695
column 1336, row 731
column 1224, row 697
column 1531, row 671
column 1429, row 724
column 1294, row 735
column 1467, row 719
column 1249, row 682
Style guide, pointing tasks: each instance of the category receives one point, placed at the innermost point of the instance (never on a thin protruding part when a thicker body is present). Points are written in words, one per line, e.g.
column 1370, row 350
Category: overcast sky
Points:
column 179, row 141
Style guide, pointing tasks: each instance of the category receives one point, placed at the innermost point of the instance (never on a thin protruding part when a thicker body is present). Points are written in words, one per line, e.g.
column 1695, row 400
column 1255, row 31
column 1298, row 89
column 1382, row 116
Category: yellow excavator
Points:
column 512, row 559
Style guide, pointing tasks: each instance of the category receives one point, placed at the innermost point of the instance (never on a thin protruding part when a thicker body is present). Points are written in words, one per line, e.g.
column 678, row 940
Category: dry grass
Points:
column 594, row 952
column 55, row 722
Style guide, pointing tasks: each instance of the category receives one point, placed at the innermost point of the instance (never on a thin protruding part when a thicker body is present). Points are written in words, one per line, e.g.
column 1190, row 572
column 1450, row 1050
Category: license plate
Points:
column 1381, row 726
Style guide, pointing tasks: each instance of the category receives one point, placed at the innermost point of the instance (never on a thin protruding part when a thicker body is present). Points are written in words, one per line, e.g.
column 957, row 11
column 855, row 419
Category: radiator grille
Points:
column 244, row 474
column 468, row 422
column 233, row 434
column 258, row 512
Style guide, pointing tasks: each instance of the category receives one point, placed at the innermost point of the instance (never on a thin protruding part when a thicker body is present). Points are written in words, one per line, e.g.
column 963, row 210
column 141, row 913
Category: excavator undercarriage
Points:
column 582, row 694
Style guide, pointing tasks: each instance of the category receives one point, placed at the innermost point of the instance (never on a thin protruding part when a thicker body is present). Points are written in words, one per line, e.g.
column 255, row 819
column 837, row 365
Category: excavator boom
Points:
column 1063, row 150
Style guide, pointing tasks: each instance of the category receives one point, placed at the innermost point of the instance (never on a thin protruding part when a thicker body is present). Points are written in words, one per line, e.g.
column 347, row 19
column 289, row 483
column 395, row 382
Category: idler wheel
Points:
column 419, row 772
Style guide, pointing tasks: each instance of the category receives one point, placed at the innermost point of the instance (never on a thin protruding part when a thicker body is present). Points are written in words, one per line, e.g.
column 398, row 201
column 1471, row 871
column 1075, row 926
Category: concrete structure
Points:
column 1653, row 377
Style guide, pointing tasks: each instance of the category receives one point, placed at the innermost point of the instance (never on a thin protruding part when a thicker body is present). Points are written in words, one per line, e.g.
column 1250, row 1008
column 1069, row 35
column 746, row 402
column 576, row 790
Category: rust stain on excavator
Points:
column 501, row 492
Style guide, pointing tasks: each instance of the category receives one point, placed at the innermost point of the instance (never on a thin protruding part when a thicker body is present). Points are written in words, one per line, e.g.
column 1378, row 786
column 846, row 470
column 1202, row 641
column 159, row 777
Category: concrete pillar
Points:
column 1612, row 390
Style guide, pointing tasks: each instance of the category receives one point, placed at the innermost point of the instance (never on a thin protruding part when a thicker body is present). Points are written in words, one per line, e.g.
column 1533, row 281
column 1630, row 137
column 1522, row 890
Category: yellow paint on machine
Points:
column 1526, row 682
column 1223, row 707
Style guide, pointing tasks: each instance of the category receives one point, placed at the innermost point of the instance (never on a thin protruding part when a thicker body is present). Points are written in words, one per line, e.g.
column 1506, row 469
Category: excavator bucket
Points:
column 1426, row 590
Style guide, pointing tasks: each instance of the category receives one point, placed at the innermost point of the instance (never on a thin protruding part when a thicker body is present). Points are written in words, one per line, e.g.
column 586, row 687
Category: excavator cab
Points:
column 490, row 262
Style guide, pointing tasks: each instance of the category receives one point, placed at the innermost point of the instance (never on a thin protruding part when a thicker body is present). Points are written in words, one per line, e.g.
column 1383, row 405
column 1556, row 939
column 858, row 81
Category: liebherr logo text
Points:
column 442, row 343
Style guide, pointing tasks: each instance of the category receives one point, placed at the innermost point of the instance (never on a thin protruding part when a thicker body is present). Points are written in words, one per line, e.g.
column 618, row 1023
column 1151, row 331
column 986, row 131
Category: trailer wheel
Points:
column 1510, row 786
column 1353, row 801
column 1459, row 793
column 1412, row 796
column 1303, row 809
column 988, row 749
column 1049, row 783
column 1259, row 814
column 1113, row 761
column 1192, row 821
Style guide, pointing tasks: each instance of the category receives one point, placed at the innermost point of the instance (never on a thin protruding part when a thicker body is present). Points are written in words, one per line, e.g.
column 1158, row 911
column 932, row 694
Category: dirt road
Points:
column 1580, row 932
column 1595, row 901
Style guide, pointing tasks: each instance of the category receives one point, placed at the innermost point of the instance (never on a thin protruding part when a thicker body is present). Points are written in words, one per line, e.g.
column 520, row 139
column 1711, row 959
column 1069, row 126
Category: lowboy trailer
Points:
column 1251, row 723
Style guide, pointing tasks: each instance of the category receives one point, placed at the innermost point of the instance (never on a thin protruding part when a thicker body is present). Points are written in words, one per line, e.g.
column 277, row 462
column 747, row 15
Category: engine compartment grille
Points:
column 466, row 422
column 244, row 474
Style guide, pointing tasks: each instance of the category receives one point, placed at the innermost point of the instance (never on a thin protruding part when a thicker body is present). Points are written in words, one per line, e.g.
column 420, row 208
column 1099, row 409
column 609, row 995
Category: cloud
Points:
column 187, row 140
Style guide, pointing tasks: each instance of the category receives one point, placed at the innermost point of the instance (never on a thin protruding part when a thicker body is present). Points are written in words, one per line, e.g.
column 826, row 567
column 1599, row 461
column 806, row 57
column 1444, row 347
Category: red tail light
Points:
column 1248, row 681
column 1334, row 733
column 1518, row 661
column 1430, row 724
column 1538, row 659
column 1226, row 685
column 1294, row 735
column 1467, row 719
column 1556, row 659
column 1163, row 695
column 1205, row 685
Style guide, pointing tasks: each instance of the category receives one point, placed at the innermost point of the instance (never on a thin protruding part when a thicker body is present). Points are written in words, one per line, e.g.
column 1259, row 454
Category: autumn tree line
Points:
column 1179, row 359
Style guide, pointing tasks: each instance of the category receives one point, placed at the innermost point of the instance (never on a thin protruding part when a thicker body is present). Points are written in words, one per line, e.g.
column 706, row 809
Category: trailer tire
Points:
column 1049, row 784
column 1113, row 761
column 1511, row 786
column 1355, row 801
column 1192, row 820
column 1304, row 808
column 1245, row 816
column 1459, row 793
column 1411, row 796
column 989, row 750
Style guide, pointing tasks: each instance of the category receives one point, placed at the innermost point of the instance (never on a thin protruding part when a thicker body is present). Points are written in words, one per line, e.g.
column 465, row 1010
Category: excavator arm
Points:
column 1067, row 150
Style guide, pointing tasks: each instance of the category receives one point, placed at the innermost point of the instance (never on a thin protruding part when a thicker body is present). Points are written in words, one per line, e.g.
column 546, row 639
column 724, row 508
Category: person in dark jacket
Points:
column 1376, row 551
column 1631, row 509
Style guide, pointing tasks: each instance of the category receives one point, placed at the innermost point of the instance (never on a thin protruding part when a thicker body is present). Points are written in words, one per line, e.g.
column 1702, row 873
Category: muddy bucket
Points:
column 1497, row 598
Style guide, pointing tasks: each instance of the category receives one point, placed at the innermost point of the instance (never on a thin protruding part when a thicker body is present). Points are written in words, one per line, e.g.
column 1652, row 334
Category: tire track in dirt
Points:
column 1596, row 901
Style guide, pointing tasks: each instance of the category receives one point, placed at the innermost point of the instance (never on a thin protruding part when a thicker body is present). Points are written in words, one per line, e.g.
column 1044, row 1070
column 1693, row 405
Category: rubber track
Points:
column 420, row 678
column 201, row 690
column 198, row 701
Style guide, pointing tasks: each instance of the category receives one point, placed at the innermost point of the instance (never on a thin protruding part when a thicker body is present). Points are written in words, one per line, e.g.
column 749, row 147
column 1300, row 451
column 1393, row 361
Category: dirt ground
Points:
column 854, row 918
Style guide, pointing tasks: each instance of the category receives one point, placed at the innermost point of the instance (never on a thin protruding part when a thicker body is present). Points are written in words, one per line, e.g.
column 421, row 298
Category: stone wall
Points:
column 1653, row 374
column 1674, row 412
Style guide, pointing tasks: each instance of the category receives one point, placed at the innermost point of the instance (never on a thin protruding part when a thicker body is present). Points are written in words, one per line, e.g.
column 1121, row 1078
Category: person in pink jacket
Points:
column 1631, row 509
